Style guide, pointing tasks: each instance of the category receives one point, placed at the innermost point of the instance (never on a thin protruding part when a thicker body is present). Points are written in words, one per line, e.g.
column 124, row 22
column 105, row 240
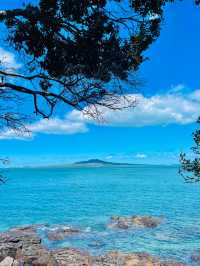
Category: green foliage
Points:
column 190, row 168
column 82, row 51
column 67, row 38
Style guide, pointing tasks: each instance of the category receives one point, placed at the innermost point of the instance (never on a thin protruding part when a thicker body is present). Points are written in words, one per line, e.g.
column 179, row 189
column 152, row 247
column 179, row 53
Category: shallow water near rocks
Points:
column 87, row 197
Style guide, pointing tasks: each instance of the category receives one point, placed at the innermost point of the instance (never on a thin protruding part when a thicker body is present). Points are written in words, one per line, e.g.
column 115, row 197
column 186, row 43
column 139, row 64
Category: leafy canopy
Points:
column 77, row 52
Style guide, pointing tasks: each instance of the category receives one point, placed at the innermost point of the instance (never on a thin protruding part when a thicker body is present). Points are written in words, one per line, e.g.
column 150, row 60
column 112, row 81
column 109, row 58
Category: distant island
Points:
column 97, row 162
column 92, row 163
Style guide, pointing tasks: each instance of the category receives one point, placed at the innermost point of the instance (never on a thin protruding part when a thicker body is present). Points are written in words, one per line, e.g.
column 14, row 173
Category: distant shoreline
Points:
column 67, row 166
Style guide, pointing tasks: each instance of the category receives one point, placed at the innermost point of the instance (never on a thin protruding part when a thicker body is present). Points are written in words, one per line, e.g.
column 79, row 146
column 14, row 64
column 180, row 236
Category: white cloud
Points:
column 109, row 157
column 57, row 126
column 53, row 126
column 177, row 88
column 163, row 109
column 140, row 156
column 12, row 134
column 160, row 109
column 7, row 59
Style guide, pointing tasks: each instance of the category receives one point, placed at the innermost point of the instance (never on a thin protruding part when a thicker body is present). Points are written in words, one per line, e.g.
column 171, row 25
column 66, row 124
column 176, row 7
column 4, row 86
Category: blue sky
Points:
column 155, row 132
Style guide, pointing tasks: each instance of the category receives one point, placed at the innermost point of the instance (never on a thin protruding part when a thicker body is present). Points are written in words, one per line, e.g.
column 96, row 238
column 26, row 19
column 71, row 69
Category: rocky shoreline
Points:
column 24, row 247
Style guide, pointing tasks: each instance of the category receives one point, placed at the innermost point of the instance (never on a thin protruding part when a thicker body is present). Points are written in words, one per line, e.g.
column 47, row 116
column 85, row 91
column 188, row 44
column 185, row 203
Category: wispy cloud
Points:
column 109, row 157
column 54, row 126
column 141, row 156
column 12, row 134
column 159, row 109
column 177, row 88
column 58, row 126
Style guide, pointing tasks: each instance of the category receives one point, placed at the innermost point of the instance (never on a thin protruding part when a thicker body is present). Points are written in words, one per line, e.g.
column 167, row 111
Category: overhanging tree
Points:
column 76, row 52
column 190, row 167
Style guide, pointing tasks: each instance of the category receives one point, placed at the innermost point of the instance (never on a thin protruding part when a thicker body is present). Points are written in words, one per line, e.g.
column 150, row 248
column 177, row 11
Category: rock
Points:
column 23, row 246
column 37, row 255
column 146, row 221
column 7, row 249
column 17, row 263
column 29, row 228
column 118, row 222
column 171, row 263
column 195, row 257
column 122, row 259
column 72, row 257
column 132, row 259
column 61, row 233
column 19, row 236
column 122, row 225
column 8, row 261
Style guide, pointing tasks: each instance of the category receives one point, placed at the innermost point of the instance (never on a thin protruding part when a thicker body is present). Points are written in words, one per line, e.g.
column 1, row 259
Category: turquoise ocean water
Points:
column 88, row 197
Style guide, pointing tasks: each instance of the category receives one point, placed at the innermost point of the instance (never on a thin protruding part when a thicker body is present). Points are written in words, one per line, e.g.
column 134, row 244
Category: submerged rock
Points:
column 61, row 233
column 97, row 244
column 196, row 257
column 120, row 222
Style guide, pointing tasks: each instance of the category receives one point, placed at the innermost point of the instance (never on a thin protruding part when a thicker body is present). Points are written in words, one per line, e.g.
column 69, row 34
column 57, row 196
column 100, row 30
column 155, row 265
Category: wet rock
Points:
column 195, row 257
column 146, row 221
column 122, row 224
column 62, row 233
column 172, row 263
column 72, row 257
column 122, row 259
column 29, row 228
column 132, row 259
column 118, row 222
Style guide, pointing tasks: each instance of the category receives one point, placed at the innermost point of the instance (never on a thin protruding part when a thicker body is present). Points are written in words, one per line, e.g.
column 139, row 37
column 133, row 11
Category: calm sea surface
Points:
column 88, row 197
